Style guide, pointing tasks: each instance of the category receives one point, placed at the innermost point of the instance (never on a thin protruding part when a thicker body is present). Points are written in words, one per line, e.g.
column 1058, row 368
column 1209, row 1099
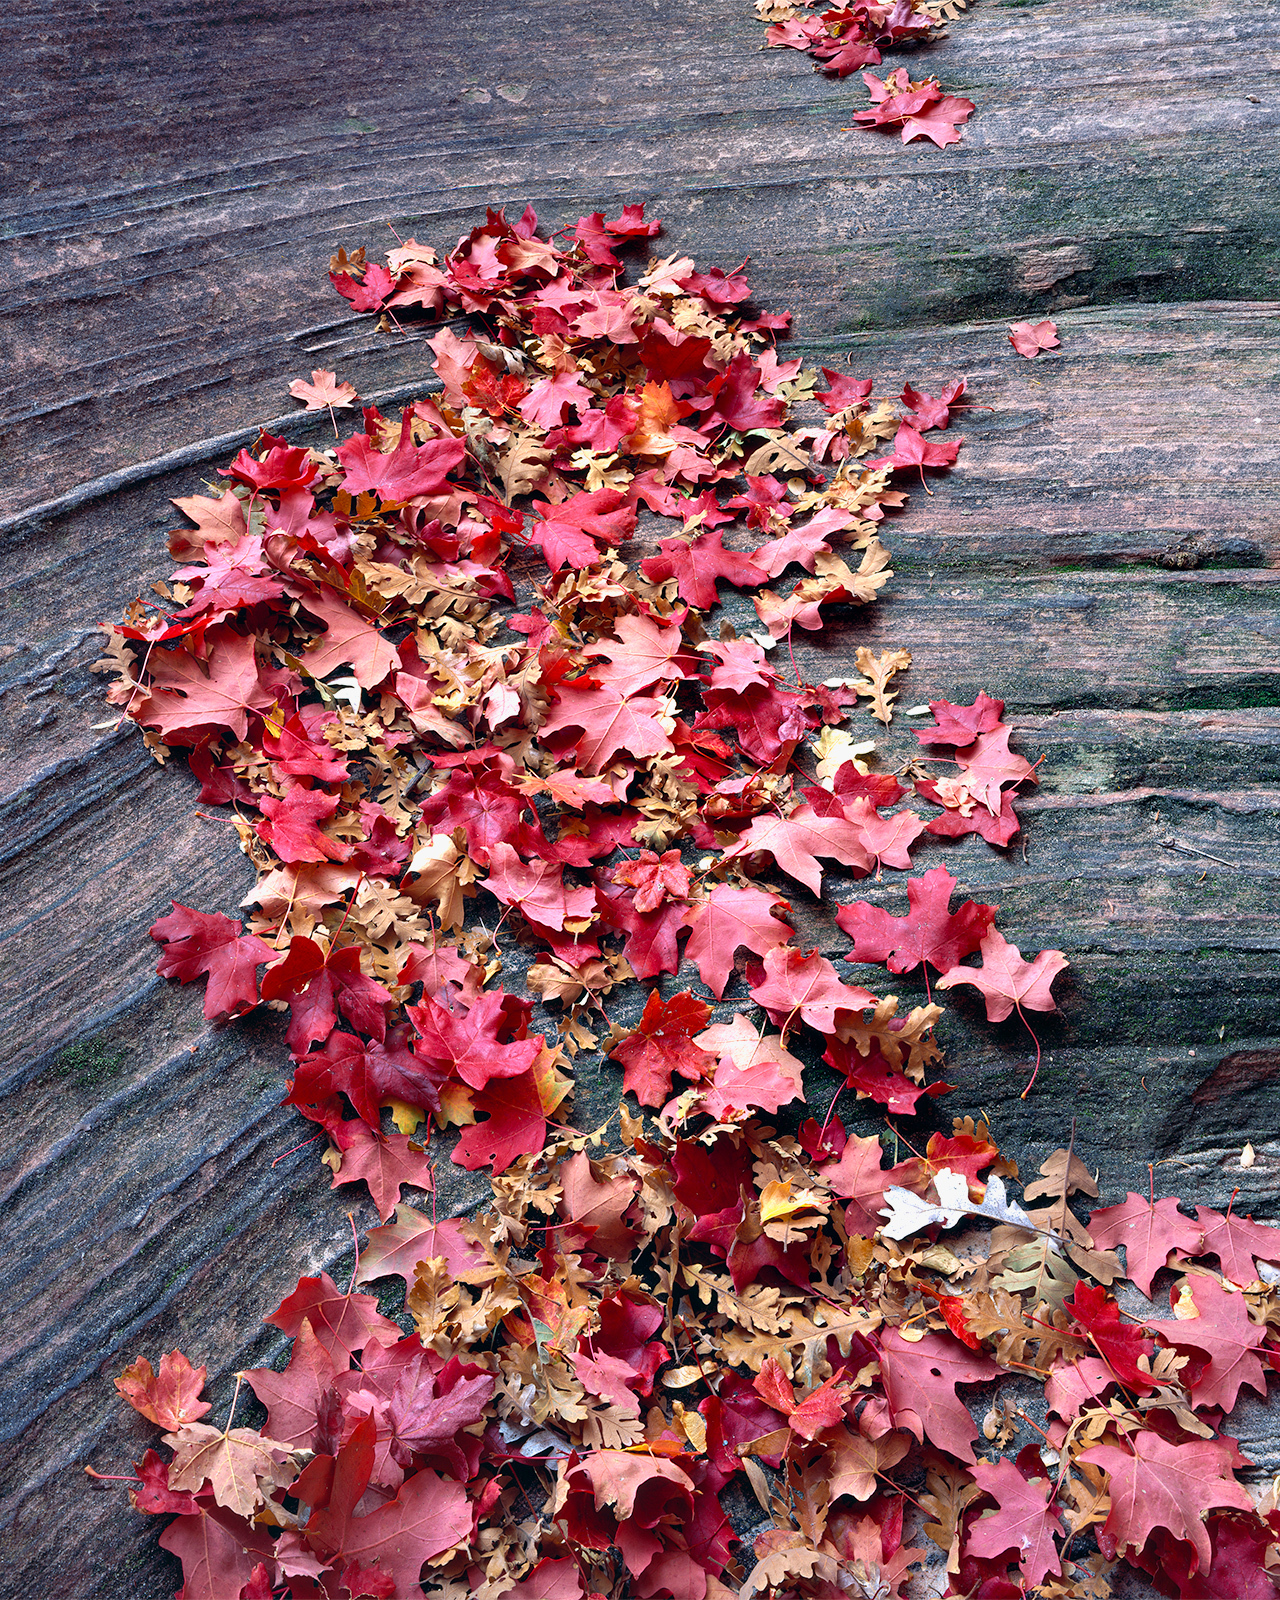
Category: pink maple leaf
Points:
column 798, row 839
column 549, row 399
column 1030, row 338
column 537, row 888
column 1149, row 1230
column 1006, row 981
column 385, row 1162
column 806, row 986
column 1025, row 1520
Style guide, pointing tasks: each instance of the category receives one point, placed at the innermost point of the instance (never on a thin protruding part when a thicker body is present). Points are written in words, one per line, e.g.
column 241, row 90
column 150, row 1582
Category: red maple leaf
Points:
column 872, row 1075
column 887, row 840
column 348, row 640
column 896, row 97
column 1030, row 338
column 764, row 501
column 1238, row 1242
column 323, row 392
column 1224, row 1331
column 821, row 1408
column 643, row 652
column 1025, row 1521
column 343, row 1323
column 607, row 1378
column 970, row 1153
column 931, row 413
column 369, row 1072
column 597, row 1207
column 284, row 466
column 428, row 1412
column 1006, row 981
column 1156, row 1484
column 727, row 920
column 1239, row 1569
column 476, row 1046
column 1119, row 1344
column 708, row 1181
column 487, row 808
column 298, row 748
column 912, row 449
column 169, row 1397
column 515, row 1125
column 844, row 391
column 929, row 932
column 362, row 1583
column 953, row 824
column 609, row 723
column 493, row 390
column 654, row 878
column 652, row 937
column 205, row 942
column 733, row 391
column 626, row 1332
column 920, row 1381
column 400, row 1245
column 858, row 1177
column 403, row 473
column 569, row 530
column 754, row 1070
column 988, row 763
column 881, row 788
column 843, row 55
column 802, row 546
column 1148, row 1230
column 939, row 121
column 294, row 1397
column 570, row 789
column 155, row 1495
column 232, row 577
column 736, row 1415
column 612, row 1488
column 1075, row 1384
column 216, row 1562
column 291, row 825
column 961, row 725
column 217, row 518
column 740, row 665
column 767, row 721
column 427, row 1517
column 549, row 399
column 698, row 564
column 717, row 287
column 317, row 984
column 367, row 294
column 662, row 1043
column 551, row 1579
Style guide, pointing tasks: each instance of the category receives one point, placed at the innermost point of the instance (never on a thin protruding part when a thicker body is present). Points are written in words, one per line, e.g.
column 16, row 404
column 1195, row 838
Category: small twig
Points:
column 1170, row 843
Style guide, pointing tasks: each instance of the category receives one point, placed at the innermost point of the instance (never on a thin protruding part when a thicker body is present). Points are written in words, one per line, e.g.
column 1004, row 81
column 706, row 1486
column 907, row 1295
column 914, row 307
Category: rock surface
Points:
column 1104, row 558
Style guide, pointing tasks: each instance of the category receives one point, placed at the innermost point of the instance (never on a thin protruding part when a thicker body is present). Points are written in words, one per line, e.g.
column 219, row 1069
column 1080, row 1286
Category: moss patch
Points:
column 92, row 1062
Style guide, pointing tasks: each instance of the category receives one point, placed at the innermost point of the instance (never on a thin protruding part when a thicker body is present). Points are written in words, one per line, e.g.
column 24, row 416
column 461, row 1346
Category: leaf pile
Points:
column 339, row 652
column 620, row 1341
column 847, row 35
column 450, row 714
